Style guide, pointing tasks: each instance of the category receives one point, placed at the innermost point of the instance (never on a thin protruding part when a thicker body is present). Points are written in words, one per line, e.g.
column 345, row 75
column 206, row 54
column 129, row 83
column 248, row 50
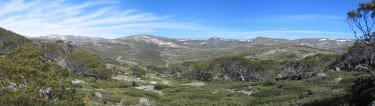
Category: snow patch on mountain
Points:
column 343, row 40
column 149, row 39
column 323, row 39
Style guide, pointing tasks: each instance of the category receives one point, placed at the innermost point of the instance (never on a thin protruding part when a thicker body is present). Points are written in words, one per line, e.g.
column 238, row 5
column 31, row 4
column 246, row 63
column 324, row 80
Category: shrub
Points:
column 87, row 64
column 160, row 86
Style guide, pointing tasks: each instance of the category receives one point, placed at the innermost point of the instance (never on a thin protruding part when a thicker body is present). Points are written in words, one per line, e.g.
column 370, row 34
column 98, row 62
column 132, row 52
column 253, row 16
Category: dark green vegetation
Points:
column 253, row 70
column 88, row 65
column 32, row 74
column 26, row 80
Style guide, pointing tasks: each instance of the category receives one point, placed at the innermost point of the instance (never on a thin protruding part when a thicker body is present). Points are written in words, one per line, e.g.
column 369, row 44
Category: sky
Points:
column 231, row 19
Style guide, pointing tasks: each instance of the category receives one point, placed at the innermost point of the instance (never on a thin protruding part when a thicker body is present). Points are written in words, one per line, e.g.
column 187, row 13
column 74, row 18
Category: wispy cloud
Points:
column 290, row 34
column 91, row 18
column 309, row 17
column 297, row 18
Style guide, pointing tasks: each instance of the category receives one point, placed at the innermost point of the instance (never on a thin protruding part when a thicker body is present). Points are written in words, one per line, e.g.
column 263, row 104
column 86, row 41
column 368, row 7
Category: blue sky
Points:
column 234, row 19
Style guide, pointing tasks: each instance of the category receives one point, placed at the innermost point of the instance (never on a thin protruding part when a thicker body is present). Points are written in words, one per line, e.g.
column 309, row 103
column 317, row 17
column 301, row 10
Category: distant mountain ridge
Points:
column 155, row 50
column 211, row 42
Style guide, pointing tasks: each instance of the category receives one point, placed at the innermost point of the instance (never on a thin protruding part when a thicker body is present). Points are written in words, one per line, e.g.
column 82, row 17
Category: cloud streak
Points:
column 90, row 18
column 309, row 17
column 290, row 34
column 297, row 18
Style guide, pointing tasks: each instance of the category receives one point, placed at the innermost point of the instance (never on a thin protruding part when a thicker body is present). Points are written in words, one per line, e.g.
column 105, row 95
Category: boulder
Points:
column 321, row 75
column 46, row 93
column 153, row 82
column 144, row 102
column 338, row 69
column 98, row 95
column 77, row 81
column 337, row 80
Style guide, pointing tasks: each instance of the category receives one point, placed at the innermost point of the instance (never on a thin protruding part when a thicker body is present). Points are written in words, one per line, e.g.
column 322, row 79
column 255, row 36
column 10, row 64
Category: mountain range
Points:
column 161, row 51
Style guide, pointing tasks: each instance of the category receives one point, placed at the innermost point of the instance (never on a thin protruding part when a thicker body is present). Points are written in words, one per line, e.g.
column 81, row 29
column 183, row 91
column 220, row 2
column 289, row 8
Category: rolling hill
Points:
column 161, row 51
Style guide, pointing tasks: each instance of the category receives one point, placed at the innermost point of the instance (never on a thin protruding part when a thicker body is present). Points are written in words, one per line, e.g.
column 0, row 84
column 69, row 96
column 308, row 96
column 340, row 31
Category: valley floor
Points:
column 153, row 90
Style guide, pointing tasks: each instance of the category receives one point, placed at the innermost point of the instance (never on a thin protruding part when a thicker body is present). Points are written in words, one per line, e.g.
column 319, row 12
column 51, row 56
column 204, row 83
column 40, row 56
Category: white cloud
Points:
column 297, row 18
column 307, row 17
column 91, row 18
column 290, row 34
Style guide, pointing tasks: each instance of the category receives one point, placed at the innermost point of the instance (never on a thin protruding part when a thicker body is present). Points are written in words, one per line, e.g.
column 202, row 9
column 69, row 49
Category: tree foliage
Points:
column 137, row 71
column 87, row 64
column 362, row 21
column 306, row 67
